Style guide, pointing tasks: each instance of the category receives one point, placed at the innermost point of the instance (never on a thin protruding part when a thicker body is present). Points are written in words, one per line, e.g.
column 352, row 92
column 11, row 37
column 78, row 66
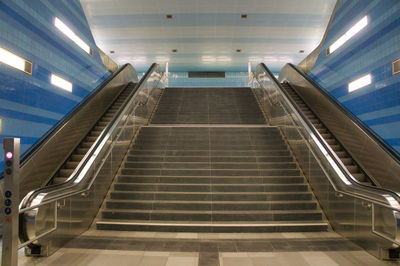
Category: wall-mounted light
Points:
column 1, row 125
column 361, row 24
column 72, row 35
column 11, row 59
column 61, row 83
column 396, row 66
column 360, row 82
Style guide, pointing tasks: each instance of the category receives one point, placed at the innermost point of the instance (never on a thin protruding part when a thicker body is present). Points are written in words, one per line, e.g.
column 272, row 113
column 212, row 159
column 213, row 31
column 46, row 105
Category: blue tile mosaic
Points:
column 372, row 51
column 30, row 105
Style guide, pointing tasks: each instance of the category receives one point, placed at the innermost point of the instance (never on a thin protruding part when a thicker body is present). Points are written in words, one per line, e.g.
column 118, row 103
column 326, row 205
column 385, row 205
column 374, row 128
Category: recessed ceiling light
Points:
column 174, row 50
column 238, row 50
column 169, row 16
column 301, row 51
column 243, row 16
column 112, row 52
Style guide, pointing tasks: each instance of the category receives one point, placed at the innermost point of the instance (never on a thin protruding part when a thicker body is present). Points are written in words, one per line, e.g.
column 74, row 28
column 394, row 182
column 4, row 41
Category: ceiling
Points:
column 207, row 33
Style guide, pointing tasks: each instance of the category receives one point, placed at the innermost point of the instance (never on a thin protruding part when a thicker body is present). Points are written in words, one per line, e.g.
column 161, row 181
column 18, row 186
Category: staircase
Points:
column 210, row 179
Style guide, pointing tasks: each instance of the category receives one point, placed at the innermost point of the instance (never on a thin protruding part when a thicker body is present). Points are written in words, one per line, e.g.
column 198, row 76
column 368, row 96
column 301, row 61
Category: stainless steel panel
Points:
column 349, row 206
column 79, row 199
column 50, row 156
column 377, row 162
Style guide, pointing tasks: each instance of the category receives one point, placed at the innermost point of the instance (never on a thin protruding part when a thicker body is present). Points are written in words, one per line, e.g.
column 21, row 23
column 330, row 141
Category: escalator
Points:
column 77, row 155
column 340, row 151
column 65, row 205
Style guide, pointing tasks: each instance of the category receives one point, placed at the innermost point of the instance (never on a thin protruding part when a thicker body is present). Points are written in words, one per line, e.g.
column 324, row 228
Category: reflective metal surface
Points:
column 108, row 63
column 366, row 215
column 73, row 205
column 369, row 152
column 309, row 62
column 52, row 153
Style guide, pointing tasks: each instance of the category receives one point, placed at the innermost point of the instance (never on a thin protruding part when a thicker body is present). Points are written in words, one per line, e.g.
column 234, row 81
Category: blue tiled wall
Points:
column 29, row 105
column 371, row 51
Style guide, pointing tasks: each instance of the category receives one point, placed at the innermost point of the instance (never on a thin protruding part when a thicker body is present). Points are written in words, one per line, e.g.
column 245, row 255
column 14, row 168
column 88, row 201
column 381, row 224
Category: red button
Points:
column 7, row 219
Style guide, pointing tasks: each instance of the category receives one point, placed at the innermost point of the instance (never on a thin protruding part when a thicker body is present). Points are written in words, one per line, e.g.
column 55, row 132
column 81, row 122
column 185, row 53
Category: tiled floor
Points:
column 186, row 249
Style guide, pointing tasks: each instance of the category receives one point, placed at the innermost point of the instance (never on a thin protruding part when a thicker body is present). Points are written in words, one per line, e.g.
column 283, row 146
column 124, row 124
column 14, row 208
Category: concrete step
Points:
column 214, row 196
column 209, row 205
column 242, row 216
column 214, row 227
column 193, row 187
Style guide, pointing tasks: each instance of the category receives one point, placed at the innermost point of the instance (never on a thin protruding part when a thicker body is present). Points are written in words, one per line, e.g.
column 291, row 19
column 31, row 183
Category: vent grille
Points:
column 396, row 66
column 206, row 74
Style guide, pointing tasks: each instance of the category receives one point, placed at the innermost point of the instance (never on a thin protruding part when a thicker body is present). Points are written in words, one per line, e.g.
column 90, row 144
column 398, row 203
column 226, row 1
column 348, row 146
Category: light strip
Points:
column 348, row 35
column 15, row 61
column 360, row 83
column 70, row 34
column 1, row 125
column 61, row 83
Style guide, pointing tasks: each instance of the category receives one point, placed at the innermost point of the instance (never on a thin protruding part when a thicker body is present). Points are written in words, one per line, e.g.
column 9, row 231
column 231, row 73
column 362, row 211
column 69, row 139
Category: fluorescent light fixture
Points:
column 255, row 59
column 162, row 59
column 224, row 59
column 208, row 59
column 61, row 83
column 348, row 35
column 270, row 59
column 1, row 125
column 360, row 83
column 71, row 35
column 15, row 61
column 139, row 59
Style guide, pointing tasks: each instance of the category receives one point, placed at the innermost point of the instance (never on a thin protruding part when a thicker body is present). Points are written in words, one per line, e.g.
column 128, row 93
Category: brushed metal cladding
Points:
column 50, row 156
column 77, row 201
column 366, row 215
column 373, row 157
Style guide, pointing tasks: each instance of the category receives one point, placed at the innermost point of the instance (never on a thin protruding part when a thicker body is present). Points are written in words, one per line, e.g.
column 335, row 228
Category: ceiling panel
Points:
column 207, row 33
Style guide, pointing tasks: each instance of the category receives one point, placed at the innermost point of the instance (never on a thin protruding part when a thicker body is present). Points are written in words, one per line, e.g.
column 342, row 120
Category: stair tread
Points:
column 214, row 201
column 207, row 223
column 211, row 212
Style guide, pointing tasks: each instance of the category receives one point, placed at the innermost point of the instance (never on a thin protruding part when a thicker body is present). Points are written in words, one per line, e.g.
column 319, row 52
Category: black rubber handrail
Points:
column 22, row 230
column 322, row 141
column 368, row 131
column 33, row 148
column 110, row 124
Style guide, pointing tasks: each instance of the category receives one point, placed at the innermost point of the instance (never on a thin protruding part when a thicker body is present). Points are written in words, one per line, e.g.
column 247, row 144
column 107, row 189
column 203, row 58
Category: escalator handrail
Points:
column 58, row 189
column 354, row 184
column 368, row 131
column 60, row 124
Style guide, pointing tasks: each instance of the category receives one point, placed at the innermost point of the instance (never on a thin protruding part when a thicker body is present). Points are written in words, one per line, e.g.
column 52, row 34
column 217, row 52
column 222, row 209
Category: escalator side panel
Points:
column 58, row 147
column 366, row 150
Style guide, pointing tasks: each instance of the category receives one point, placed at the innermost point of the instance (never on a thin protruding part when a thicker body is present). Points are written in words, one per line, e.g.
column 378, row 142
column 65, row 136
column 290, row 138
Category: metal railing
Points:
column 342, row 198
column 57, row 213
